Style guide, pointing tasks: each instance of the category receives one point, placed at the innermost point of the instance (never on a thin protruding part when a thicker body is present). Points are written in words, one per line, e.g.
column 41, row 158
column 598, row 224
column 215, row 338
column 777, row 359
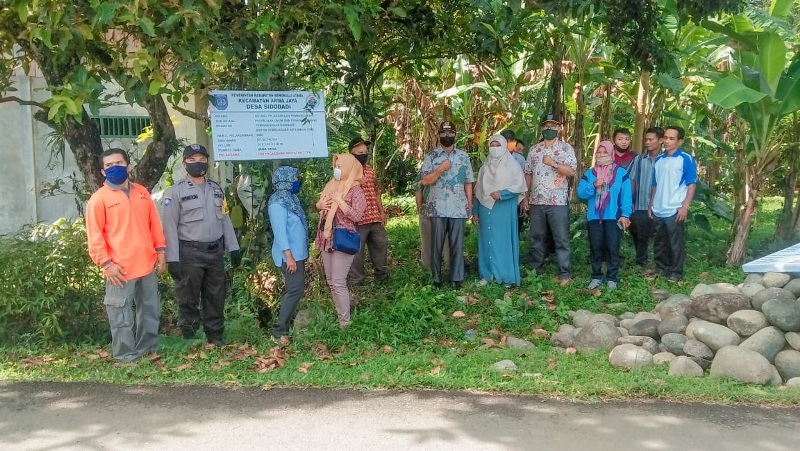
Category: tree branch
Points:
column 191, row 114
column 22, row 102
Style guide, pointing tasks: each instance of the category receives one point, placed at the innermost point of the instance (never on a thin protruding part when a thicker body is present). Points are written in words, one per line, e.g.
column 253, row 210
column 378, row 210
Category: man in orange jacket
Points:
column 126, row 240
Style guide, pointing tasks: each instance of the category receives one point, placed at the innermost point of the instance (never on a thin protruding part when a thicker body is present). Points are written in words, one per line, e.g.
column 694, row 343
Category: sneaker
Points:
column 594, row 284
column 482, row 282
column 218, row 342
column 674, row 278
column 344, row 325
column 611, row 285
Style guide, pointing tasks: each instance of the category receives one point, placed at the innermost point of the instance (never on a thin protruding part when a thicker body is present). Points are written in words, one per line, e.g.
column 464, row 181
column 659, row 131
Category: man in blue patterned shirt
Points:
column 448, row 172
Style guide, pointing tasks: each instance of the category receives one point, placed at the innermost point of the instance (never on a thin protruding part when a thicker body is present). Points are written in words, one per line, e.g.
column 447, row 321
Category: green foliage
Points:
column 50, row 291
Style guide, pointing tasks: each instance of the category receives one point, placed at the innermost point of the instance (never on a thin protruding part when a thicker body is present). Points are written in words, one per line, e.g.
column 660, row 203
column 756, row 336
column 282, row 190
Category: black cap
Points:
column 356, row 141
column 447, row 126
column 508, row 134
column 192, row 149
column 550, row 117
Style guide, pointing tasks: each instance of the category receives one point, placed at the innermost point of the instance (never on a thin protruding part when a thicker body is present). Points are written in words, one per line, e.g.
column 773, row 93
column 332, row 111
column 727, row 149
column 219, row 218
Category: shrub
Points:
column 49, row 288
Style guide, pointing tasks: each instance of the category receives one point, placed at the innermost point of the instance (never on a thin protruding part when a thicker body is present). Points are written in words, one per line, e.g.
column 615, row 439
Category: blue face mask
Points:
column 296, row 186
column 117, row 174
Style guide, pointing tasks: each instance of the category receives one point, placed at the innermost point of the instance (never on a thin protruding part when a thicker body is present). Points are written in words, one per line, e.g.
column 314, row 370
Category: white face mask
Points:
column 337, row 174
column 497, row 151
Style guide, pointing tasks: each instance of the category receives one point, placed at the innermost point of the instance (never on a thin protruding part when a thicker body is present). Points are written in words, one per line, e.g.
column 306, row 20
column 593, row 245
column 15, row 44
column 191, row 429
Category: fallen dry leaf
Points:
column 210, row 346
column 216, row 367
column 459, row 314
column 369, row 353
column 571, row 350
column 552, row 363
column 494, row 332
column 436, row 369
column 303, row 368
column 446, row 342
column 503, row 340
column 182, row 367
column 704, row 275
column 102, row 353
column 488, row 342
column 321, row 351
column 203, row 355
column 387, row 349
column 540, row 334
column 366, row 377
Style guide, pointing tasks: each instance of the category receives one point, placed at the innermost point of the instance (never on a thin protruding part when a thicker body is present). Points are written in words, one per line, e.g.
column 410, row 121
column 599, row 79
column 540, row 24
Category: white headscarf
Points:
column 499, row 173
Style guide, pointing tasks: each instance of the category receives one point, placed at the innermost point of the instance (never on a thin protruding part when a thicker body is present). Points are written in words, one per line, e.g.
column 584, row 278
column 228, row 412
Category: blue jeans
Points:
column 604, row 238
column 557, row 217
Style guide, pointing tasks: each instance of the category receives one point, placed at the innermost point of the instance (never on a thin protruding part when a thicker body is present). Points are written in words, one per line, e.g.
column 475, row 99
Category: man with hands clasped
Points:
column 198, row 232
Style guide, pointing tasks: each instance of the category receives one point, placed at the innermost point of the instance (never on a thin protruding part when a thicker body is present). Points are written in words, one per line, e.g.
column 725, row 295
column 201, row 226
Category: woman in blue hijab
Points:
column 289, row 245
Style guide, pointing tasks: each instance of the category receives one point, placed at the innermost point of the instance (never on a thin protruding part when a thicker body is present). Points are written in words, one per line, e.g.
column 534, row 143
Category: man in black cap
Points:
column 198, row 231
column 372, row 226
column 448, row 172
column 548, row 168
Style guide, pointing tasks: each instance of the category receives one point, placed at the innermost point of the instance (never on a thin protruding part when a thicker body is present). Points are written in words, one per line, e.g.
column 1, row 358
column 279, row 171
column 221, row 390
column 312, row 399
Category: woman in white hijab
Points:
column 499, row 188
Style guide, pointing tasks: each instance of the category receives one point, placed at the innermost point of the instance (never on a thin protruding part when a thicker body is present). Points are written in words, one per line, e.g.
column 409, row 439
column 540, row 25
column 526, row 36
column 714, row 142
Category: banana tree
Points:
column 763, row 89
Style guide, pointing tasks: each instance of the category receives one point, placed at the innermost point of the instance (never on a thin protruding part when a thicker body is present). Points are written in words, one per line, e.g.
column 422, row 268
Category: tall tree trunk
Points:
column 642, row 107
column 580, row 115
column 604, row 127
column 165, row 144
column 741, row 198
column 741, row 227
column 556, row 99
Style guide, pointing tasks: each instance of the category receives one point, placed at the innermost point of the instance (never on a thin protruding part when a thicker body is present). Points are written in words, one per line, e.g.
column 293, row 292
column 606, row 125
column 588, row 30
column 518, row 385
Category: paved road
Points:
column 45, row 416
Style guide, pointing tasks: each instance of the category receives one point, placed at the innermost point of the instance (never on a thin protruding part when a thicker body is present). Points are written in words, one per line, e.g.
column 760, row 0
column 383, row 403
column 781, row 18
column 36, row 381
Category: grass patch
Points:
column 404, row 335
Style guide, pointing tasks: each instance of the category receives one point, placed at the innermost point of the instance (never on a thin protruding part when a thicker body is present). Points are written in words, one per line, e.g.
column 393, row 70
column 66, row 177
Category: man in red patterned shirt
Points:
column 372, row 226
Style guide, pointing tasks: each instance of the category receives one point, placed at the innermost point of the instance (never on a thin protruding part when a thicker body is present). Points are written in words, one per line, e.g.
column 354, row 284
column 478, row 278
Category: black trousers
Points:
column 556, row 217
column 451, row 229
column 642, row 233
column 669, row 246
column 604, row 238
column 201, row 286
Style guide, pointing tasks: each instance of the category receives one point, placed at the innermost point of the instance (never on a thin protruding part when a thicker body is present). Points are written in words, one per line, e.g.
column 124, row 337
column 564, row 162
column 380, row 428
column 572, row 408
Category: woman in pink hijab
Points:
column 607, row 189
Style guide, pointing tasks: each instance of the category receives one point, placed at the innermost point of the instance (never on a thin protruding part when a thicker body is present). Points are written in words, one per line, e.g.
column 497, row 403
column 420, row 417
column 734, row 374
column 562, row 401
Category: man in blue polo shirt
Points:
column 674, row 182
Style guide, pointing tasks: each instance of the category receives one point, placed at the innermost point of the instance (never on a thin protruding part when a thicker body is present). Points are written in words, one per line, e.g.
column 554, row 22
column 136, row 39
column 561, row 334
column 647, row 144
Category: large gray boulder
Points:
column 563, row 340
column 683, row 366
column 673, row 324
column 519, row 343
column 750, row 289
column 677, row 304
column 742, row 365
column 783, row 314
column 788, row 364
column 753, row 278
column 674, row 343
column 698, row 352
column 794, row 287
column 659, row 295
column 793, row 338
column 747, row 322
column 631, row 357
column 769, row 294
column 775, row 279
column 581, row 318
column 767, row 342
column 597, row 336
column 717, row 307
column 647, row 343
column 715, row 336
column 724, row 287
column 700, row 289
column 610, row 319
column 793, row 383
column 645, row 327
column 567, row 328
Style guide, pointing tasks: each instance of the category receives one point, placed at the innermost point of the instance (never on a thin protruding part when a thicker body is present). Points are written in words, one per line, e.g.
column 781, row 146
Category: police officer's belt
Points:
column 207, row 246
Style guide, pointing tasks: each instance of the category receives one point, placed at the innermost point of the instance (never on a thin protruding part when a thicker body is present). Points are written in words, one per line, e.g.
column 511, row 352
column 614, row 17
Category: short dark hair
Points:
column 621, row 131
column 112, row 151
column 680, row 130
column 658, row 131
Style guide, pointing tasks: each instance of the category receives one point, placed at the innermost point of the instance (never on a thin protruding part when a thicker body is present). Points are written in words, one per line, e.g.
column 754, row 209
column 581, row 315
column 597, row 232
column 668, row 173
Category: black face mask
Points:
column 362, row 158
column 196, row 169
column 447, row 141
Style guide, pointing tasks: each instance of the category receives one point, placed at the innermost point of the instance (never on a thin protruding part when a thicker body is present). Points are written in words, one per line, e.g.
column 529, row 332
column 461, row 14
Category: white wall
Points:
column 25, row 158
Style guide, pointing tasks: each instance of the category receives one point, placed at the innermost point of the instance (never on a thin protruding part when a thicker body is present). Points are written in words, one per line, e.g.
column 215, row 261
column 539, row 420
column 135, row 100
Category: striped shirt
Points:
column 641, row 173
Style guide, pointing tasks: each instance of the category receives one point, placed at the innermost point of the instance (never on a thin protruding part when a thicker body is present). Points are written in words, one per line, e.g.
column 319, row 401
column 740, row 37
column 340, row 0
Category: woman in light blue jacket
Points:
column 289, row 247
column 607, row 189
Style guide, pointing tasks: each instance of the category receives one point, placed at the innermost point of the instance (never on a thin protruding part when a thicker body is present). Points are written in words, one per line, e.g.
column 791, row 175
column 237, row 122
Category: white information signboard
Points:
column 268, row 125
column 787, row 260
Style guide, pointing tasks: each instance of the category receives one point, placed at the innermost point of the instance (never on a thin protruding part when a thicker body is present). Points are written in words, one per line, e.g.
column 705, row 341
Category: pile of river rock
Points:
column 749, row 332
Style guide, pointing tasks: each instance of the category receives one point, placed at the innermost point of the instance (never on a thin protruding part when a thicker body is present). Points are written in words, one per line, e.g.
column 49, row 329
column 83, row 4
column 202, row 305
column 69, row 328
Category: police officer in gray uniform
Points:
column 198, row 232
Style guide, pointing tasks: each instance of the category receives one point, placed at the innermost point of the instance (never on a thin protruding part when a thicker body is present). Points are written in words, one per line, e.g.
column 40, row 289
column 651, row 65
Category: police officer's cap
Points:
column 192, row 149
